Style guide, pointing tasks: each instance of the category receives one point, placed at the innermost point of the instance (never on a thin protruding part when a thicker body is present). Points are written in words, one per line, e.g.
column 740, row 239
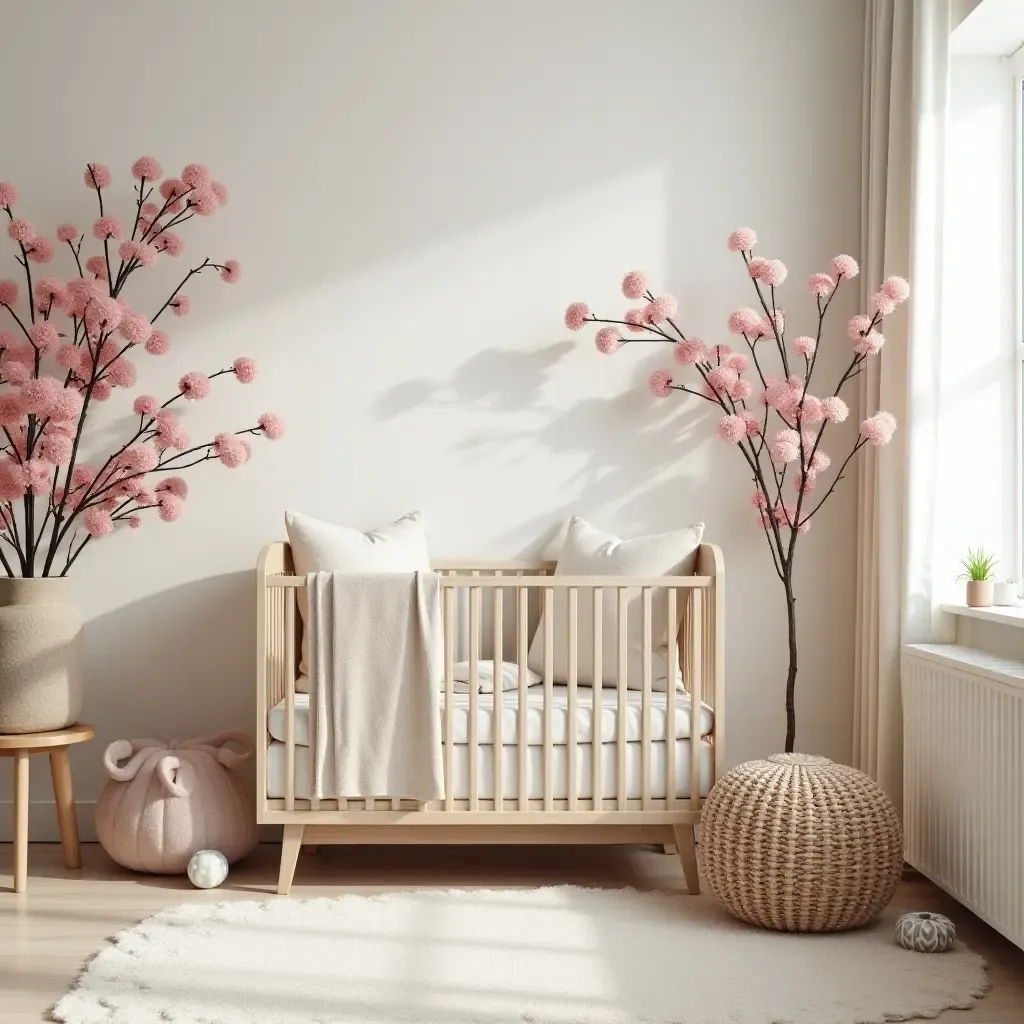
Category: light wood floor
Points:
column 48, row 933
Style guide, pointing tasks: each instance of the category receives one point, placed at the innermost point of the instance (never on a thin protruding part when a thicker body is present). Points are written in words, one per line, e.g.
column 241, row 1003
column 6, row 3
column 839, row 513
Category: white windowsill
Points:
column 1004, row 615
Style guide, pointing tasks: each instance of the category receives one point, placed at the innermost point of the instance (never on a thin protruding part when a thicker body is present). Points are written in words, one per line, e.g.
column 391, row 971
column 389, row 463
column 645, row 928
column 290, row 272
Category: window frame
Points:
column 1016, row 62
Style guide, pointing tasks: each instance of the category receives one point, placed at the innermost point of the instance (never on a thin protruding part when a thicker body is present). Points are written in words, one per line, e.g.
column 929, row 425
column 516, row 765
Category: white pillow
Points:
column 588, row 551
column 317, row 546
column 485, row 676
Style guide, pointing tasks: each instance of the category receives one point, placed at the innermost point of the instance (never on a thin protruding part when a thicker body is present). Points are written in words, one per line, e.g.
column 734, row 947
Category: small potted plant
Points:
column 978, row 566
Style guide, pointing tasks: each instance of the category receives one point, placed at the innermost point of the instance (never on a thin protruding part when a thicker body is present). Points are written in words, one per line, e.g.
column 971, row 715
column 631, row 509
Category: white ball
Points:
column 207, row 869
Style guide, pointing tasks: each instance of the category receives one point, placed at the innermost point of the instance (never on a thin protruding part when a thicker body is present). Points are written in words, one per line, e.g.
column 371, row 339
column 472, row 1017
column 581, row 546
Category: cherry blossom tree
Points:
column 70, row 345
column 773, row 419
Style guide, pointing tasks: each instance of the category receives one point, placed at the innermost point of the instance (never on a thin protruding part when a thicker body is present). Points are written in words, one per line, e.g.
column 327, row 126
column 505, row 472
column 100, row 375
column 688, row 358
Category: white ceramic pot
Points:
column 980, row 593
column 1005, row 595
column 41, row 655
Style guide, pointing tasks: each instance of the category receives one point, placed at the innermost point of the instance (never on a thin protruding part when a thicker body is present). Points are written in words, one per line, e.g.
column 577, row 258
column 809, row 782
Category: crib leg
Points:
column 687, row 845
column 290, row 846
column 669, row 849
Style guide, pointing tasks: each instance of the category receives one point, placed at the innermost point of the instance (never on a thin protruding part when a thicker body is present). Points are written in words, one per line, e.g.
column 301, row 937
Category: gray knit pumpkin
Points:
column 926, row 933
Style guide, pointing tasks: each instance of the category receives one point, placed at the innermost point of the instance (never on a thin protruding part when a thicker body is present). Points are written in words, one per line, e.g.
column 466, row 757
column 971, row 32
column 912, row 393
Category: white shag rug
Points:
column 561, row 955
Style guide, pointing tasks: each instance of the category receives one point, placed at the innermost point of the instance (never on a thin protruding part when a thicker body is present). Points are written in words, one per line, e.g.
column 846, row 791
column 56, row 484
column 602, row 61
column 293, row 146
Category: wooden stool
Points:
column 21, row 748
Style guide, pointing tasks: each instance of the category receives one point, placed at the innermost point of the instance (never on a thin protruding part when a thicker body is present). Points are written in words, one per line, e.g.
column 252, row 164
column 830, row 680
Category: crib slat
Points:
column 696, row 668
column 672, row 621
column 289, row 702
column 621, row 676
column 549, row 651
column 573, row 673
column 474, row 696
column 645, row 705
column 449, row 676
column 597, row 731
column 522, row 620
column 497, row 736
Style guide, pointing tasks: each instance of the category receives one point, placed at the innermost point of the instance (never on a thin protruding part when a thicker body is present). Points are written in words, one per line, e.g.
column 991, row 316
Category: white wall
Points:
column 418, row 189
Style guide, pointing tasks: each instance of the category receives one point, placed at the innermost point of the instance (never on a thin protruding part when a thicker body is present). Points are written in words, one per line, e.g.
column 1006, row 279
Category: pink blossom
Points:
column 56, row 448
column 820, row 284
column 107, row 227
column 102, row 390
column 662, row 308
column 845, row 266
column 97, row 265
column 689, row 352
column 834, row 409
column 758, row 499
column 634, row 284
column 857, row 326
column 12, row 409
column 808, row 484
column 231, row 272
column 134, row 522
column 171, row 507
column 145, row 405
column 813, row 410
column 786, row 447
column 68, row 232
column 39, row 393
column 44, row 335
column 181, row 305
column 12, row 480
column 752, row 423
column 98, row 522
column 756, row 267
column 139, row 458
column 734, row 360
column 878, row 429
column 67, row 406
column 173, row 188
column 102, row 315
column 744, row 321
column 38, row 475
column 742, row 240
column 144, row 254
column 40, row 251
column 158, row 343
column 220, row 192
column 8, row 339
column 732, row 429
column 175, row 485
column 16, row 373
column 146, row 167
column 96, row 176
column 204, row 201
column 135, row 328
column 870, row 344
column 740, row 391
column 170, row 433
column 50, row 290
column 150, row 209
column 820, row 462
column 170, row 243
column 775, row 273
column 636, row 320
column 576, row 315
column 660, row 383
column 881, row 304
column 21, row 230
column 896, row 288
column 804, row 346
column 608, row 340
column 244, row 369
column 194, row 385
column 195, row 175
column 8, row 194
column 272, row 425
column 230, row 450
column 722, row 378
column 82, row 475
column 122, row 372
column 8, row 293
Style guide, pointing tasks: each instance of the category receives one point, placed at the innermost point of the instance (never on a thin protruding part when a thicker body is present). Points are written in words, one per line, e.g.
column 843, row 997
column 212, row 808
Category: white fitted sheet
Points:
column 277, row 752
column 609, row 716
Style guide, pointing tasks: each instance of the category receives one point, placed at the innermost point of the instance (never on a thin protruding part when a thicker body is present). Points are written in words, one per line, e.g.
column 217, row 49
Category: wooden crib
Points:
column 545, row 782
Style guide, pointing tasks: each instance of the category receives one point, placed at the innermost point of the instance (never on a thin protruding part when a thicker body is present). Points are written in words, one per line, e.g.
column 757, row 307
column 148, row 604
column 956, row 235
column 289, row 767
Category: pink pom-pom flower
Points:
column 664, row 307
column 68, row 233
column 97, row 266
column 171, row 507
column 845, row 266
column 634, row 284
column 194, row 385
column 135, row 328
column 139, row 251
column 775, row 273
column 122, row 372
column 159, row 343
column 181, row 306
column 44, row 336
column 804, row 346
column 174, row 485
column 12, row 480
column 870, row 344
column 102, row 390
column 820, row 284
column 744, row 321
column 8, row 194
column 12, row 409
column 40, row 250
column 896, row 288
column 244, row 369
column 134, row 522
column 689, row 352
column 230, row 450
column 812, row 411
column 21, row 230
column 170, row 243
column 220, row 192
column 636, row 320
column 835, row 409
column 104, row 228
column 272, row 425
column 756, row 267
column 734, row 360
column 732, row 429
column 608, row 340
column 145, row 405
column 742, row 240
column 857, row 326
column 231, row 272
column 195, row 175
column 881, row 304
column 758, row 499
column 204, row 201
column 878, row 429
column 721, row 379
column 660, row 383
column 96, row 176
column 146, row 167
column 8, row 293
column 752, row 423
column 576, row 315
column 67, row 406
column 39, row 393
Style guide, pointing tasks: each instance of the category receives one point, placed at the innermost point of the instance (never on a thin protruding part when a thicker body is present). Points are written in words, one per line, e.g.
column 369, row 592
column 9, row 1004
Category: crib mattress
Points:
column 277, row 752
column 609, row 717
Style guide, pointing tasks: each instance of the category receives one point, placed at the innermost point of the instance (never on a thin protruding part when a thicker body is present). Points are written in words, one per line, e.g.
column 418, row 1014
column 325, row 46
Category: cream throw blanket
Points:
column 375, row 655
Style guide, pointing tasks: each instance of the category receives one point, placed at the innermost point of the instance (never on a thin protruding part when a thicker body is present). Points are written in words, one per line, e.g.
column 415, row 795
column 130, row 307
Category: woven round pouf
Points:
column 801, row 844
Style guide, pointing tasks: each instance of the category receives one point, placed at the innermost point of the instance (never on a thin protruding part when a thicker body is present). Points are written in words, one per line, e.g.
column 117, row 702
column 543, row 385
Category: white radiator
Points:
column 963, row 769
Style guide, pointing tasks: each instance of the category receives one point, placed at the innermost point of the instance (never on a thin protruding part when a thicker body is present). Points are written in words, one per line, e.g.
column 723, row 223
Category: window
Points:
column 1017, row 68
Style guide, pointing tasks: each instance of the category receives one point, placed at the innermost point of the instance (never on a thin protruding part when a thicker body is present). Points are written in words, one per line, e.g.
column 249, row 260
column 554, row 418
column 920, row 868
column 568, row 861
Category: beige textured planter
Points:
column 40, row 656
column 980, row 593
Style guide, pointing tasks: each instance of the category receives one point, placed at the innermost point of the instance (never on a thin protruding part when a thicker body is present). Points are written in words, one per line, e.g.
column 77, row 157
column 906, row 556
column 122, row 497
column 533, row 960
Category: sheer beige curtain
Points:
column 906, row 91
